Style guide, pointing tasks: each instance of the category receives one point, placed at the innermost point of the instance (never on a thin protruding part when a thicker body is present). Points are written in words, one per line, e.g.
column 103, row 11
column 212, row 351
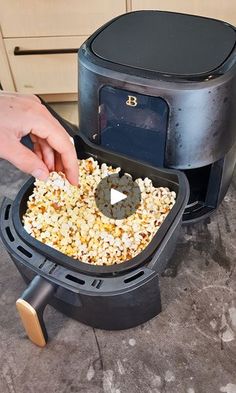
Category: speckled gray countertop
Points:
column 189, row 348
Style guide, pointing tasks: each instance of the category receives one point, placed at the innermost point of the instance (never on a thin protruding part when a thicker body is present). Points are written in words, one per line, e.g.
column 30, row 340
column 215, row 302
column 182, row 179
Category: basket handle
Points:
column 31, row 306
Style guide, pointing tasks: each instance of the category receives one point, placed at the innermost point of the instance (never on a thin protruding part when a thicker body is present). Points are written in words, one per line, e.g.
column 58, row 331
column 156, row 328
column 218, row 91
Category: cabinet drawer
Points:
column 34, row 18
column 44, row 73
column 218, row 9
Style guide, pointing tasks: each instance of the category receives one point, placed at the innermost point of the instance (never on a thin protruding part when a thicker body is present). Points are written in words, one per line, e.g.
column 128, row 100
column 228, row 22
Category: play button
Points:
column 117, row 197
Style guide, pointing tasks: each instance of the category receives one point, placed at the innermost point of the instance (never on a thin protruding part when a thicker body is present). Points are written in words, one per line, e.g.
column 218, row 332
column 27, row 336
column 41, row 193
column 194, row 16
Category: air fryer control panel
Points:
column 133, row 124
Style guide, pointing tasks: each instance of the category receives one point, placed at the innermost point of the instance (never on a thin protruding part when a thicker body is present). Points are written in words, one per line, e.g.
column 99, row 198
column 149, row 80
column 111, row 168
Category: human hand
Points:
column 22, row 115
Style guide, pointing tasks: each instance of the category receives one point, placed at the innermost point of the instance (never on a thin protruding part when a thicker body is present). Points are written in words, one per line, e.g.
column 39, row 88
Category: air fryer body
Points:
column 181, row 115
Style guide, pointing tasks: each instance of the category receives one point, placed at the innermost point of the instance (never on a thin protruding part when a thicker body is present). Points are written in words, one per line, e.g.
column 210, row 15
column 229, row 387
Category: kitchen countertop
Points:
column 189, row 348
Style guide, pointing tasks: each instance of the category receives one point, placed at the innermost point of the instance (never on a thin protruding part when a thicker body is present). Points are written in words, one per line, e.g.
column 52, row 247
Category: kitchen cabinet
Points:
column 225, row 10
column 44, row 73
column 33, row 25
column 34, row 18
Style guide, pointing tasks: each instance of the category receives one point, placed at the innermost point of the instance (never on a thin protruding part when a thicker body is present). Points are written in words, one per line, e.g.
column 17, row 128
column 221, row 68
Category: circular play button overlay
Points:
column 117, row 197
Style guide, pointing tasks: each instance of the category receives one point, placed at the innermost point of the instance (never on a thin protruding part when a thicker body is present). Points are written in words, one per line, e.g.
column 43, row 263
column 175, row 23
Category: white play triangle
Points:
column 116, row 196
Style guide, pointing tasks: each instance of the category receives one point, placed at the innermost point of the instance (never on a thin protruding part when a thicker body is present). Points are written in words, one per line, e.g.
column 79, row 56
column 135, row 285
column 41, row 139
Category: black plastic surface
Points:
column 115, row 310
column 166, row 42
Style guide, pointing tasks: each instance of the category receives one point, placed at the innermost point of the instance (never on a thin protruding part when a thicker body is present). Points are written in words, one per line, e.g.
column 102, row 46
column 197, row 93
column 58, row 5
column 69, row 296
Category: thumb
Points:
column 27, row 161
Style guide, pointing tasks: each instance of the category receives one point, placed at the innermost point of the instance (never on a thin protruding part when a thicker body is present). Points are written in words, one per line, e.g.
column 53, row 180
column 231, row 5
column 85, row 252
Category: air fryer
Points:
column 113, row 297
column 160, row 87
column 157, row 98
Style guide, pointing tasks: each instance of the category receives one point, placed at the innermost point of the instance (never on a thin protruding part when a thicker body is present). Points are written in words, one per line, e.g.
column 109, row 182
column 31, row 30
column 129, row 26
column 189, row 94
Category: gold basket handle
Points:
column 31, row 306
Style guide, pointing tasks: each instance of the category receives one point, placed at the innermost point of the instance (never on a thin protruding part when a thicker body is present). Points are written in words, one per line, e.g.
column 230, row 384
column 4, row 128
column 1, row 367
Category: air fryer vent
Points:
column 134, row 277
column 24, row 251
column 75, row 279
column 52, row 269
column 7, row 211
column 42, row 264
column 9, row 234
column 97, row 283
column 47, row 266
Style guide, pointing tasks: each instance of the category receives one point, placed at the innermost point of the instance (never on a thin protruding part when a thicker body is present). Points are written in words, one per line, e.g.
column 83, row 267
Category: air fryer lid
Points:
column 166, row 42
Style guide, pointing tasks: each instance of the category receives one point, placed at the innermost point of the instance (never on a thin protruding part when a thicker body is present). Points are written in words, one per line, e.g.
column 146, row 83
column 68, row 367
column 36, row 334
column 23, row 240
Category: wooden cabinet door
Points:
column 45, row 73
column 39, row 18
column 224, row 10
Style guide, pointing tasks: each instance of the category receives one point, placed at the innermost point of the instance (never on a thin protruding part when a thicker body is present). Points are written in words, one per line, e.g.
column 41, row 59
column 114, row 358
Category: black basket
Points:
column 174, row 180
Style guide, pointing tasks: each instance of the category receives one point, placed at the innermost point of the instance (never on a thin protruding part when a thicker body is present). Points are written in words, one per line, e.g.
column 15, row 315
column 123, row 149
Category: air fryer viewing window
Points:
column 133, row 124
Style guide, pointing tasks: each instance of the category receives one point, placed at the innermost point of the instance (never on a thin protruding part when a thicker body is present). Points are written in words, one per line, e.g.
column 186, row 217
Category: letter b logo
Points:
column 132, row 101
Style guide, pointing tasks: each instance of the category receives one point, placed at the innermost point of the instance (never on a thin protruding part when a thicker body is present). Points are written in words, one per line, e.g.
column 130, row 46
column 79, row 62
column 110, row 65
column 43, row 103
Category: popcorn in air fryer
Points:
column 66, row 217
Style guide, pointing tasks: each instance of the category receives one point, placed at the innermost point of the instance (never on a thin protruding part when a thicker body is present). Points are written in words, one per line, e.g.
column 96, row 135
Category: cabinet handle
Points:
column 28, row 52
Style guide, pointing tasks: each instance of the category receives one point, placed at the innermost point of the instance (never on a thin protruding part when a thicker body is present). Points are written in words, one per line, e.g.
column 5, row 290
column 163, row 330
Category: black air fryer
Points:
column 113, row 297
column 157, row 90
column 160, row 87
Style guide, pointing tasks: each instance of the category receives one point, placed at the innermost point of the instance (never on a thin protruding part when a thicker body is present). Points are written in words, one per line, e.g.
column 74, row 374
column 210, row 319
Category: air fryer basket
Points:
column 176, row 181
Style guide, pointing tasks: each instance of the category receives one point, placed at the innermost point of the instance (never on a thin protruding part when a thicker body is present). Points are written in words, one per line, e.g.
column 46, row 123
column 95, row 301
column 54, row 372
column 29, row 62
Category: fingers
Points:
column 37, row 148
column 50, row 157
column 24, row 115
column 47, row 154
column 38, row 151
column 27, row 161
column 44, row 152
column 58, row 163
column 70, row 165
column 50, row 129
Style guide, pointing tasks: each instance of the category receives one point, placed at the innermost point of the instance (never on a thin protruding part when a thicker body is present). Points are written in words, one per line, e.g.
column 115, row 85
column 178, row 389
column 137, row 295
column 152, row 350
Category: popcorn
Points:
column 66, row 217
